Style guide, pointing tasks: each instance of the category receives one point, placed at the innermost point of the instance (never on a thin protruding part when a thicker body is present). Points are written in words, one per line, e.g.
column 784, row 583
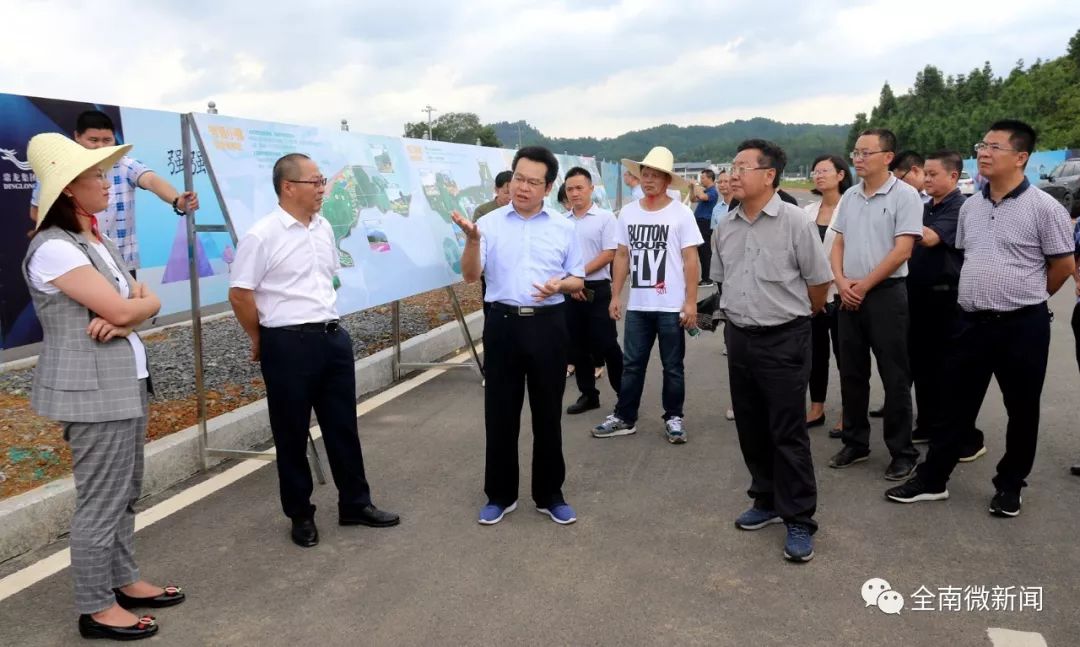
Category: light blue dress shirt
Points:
column 517, row 252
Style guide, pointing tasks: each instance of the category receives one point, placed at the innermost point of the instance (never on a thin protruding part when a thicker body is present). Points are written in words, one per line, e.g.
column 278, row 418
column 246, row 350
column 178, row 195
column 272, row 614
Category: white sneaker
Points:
column 729, row 414
column 673, row 430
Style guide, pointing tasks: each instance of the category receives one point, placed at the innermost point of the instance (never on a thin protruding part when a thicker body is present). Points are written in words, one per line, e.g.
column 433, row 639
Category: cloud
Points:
column 570, row 69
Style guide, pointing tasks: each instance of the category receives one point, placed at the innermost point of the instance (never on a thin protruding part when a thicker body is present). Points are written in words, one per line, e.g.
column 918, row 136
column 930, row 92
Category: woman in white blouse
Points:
column 831, row 179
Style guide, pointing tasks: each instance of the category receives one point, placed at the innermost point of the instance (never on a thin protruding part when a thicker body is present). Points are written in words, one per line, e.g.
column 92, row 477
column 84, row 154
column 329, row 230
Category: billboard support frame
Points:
column 187, row 128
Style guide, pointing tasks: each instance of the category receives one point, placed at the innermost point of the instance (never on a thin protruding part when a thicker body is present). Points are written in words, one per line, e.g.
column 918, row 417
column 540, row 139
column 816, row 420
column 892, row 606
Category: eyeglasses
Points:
column 862, row 154
column 993, row 148
column 531, row 181
column 736, row 171
column 319, row 182
column 820, row 173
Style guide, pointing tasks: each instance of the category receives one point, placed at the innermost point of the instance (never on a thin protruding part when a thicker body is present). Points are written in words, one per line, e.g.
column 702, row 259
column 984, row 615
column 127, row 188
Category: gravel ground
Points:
column 226, row 349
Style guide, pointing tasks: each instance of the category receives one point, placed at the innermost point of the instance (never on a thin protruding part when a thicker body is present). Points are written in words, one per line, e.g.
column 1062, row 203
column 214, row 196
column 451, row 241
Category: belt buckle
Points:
column 332, row 327
column 526, row 311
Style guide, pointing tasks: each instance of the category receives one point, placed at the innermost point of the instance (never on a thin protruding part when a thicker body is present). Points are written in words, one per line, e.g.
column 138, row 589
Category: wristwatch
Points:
column 175, row 208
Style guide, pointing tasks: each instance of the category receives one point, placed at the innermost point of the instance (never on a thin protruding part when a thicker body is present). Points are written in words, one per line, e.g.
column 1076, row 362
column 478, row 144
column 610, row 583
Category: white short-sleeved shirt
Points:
column 55, row 258
column 655, row 240
column 290, row 268
column 597, row 232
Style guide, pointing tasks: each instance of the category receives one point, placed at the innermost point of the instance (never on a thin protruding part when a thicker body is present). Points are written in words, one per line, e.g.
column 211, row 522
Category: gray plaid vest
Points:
column 78, row 379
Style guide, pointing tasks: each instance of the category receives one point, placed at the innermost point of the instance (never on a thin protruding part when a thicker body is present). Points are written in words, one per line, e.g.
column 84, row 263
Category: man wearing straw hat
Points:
column 658, row 241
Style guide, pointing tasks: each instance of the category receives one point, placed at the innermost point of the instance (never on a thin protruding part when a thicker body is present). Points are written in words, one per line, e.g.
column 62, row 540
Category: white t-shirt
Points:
column 56, row 258
column 656, row 240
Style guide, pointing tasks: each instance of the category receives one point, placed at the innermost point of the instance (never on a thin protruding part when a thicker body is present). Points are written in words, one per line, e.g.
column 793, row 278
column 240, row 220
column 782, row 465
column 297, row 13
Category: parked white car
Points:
column 966, row 184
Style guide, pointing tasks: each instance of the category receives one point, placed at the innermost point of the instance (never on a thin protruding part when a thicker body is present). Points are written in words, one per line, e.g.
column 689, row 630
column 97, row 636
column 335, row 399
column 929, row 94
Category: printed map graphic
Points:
column 353, row 189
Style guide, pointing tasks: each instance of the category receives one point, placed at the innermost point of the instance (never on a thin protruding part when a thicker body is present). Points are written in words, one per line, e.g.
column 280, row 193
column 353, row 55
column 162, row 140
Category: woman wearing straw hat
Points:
column 92, row 376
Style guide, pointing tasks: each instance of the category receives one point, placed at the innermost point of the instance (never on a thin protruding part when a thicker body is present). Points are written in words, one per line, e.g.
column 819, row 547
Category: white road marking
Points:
column 1010, row 638
column 58, row 561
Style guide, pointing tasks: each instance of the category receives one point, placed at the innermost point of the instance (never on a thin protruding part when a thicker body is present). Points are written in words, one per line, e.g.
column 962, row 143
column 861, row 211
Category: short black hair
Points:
column 561, row 195
column 840, row 165
column 1021, row 135
column 577, row 170
column 951, row 160
column 886, row 138
column 906, row 160
column 93, row 119
column 709, row 173
column 503, row 178
column 286, row 165
column 769, row 155
column 542, row 155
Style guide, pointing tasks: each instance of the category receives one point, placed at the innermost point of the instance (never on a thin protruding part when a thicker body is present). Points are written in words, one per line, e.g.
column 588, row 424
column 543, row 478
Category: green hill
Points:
column 802, row 142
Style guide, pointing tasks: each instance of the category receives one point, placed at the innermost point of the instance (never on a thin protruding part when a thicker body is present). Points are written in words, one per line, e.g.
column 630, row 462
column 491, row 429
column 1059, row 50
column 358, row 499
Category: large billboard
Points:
column 389, row 200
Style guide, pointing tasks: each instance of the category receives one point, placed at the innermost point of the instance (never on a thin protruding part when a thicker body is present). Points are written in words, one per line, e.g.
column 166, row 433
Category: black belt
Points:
column 320, row 327
column 597, row 284
column 1003, row 315
column 526, row 311
column 940, row 287
column 888, row 283
column 767, row 330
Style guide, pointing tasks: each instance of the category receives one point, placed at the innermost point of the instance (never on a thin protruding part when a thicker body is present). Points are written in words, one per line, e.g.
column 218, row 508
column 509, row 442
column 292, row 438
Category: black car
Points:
column 1064, row 184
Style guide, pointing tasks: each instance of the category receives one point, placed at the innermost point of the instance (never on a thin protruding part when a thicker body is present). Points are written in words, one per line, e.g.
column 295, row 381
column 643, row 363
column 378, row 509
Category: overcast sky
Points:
column 569, row 68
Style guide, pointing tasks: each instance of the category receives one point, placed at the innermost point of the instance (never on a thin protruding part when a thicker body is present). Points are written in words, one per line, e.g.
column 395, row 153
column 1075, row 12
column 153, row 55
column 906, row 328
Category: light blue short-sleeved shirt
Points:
column 517, row 252
column 597, row 232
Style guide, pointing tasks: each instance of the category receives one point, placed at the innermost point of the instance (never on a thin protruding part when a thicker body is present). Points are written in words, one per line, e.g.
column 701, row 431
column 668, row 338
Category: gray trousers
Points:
column 108, row 471
column 879, row 325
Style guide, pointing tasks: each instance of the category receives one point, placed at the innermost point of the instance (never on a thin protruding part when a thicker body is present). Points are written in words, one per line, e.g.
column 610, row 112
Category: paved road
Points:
column 653, row 560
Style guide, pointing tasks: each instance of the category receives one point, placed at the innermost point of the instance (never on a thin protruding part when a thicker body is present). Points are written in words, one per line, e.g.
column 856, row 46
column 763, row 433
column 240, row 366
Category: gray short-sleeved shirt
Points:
column 871, row 224
column 764, row 266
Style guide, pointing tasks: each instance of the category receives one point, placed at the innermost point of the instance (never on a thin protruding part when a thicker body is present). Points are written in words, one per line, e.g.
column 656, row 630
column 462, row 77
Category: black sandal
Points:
column 172, row 596
column 90, row 628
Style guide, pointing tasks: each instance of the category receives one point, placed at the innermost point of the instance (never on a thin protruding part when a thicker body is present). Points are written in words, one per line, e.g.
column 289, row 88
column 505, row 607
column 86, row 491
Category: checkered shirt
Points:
column 1006, row 246
column 117, row 221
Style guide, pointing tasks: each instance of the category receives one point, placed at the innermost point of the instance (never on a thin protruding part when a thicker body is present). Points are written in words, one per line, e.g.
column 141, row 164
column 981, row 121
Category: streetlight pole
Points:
column 428, row 109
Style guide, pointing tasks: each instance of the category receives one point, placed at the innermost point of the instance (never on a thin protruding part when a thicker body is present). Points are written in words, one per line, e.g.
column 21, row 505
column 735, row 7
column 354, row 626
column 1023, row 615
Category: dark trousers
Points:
column 483, row 294
column 704, row 250
column 592, row 336
column 768, row 373
column 879, row 325
column 524, row 352
column 933, row 322
column 641, row 330
column 1076, row 331
column 1013, row 349
column 823, row 326
column 305, row 370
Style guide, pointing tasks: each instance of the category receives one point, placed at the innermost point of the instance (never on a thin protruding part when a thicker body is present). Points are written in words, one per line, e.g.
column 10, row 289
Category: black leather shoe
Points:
column 304, row 532
column 1075, row 470
column 900, row 468
column 90, row 628
column 368, row 516
column 848, row 456
column 583, row 404
column 816, row 422
column 877, row 413
column 172, row 596
column 836, row 432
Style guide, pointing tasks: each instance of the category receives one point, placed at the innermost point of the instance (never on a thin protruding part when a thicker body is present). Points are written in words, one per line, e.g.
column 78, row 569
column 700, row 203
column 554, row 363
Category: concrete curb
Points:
column 40, row 516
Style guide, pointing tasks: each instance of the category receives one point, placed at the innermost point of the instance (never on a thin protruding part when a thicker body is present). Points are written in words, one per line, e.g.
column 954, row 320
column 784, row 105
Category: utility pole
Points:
column 428, row 109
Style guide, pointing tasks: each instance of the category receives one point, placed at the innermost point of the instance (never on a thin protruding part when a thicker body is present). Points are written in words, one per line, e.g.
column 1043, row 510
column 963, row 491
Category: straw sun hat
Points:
column 57, row 161
column 660, row 159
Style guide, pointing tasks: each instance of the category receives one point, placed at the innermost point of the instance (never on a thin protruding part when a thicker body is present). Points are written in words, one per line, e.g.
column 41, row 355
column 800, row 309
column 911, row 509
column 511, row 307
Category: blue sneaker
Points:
column 756, row 518
column 799, row 546
column 560, row 513
column 492, row 514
